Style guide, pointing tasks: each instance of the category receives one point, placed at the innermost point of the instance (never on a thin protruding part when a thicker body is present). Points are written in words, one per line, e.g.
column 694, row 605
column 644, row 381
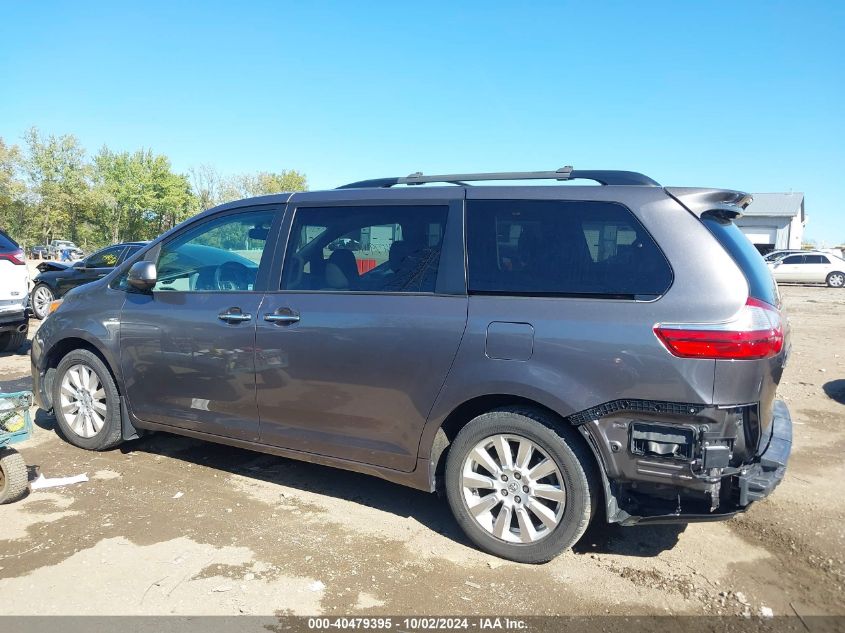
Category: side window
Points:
column 221, row 255
column 365, row 248
column 130, row 251
column 539, row 247
column 794, row 259
column 106, row 258
column 815, row 259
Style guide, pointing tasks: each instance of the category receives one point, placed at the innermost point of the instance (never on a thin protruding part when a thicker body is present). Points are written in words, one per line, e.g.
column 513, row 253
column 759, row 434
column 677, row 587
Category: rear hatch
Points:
column 744, row 380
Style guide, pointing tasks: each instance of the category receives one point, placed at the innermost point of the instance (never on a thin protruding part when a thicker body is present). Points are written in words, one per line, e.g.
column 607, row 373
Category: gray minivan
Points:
column 543, row 354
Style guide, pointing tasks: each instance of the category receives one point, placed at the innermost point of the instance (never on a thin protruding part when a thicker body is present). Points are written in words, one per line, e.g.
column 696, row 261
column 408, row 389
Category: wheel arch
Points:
column 831, row 273
column 47, row 283
column 61, row 349
column 465, row 412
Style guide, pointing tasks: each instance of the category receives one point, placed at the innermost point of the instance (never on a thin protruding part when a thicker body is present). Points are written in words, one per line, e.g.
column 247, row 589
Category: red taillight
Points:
column 756, row 331
column 16, row 257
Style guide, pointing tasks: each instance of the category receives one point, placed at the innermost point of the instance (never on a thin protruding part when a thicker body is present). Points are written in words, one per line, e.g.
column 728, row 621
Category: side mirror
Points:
column 80, row 265
column 142, row 276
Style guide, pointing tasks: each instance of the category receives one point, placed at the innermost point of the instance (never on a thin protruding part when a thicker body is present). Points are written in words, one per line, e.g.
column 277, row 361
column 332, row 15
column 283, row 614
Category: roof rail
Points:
column 604, row 177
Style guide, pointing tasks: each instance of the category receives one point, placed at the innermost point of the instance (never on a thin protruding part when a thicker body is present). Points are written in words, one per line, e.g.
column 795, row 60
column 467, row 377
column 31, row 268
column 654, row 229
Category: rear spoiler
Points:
column 726, row 203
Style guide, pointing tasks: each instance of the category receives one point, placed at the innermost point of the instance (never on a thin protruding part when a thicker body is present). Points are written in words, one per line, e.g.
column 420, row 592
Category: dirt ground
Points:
column 169, row 525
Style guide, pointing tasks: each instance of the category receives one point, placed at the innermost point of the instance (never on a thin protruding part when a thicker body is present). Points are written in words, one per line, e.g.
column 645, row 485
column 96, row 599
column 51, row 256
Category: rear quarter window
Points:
column 562, row 248
column 761, row 284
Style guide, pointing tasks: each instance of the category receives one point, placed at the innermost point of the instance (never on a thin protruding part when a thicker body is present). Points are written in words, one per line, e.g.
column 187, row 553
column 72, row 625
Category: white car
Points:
column 811, row 267
column 14, row 294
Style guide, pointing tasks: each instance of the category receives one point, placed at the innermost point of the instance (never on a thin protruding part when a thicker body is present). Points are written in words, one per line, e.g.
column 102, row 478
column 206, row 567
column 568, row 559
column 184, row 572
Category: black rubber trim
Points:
column 637, row 406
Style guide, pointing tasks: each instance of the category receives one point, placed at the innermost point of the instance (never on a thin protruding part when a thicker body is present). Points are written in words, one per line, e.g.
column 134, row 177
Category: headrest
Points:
column 399, row 250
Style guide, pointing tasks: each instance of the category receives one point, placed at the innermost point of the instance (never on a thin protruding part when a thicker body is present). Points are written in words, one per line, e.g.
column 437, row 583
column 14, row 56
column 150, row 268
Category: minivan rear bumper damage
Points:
column 634, row 498
column 761, row 478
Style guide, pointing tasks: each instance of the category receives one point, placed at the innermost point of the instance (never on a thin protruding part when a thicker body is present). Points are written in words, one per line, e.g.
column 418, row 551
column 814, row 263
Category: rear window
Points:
column 562, row 248
column 761, row 284
column 7, row 243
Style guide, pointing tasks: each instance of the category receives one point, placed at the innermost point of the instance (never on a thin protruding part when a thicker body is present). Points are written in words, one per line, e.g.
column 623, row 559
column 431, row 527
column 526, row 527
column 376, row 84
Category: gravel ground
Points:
column 169, row 525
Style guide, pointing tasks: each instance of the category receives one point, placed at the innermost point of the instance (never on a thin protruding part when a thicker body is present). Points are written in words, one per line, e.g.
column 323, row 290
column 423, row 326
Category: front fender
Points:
column 91, row 314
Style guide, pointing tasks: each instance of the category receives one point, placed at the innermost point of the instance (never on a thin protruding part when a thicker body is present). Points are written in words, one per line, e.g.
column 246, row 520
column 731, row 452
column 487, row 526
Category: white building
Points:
column 774, row 221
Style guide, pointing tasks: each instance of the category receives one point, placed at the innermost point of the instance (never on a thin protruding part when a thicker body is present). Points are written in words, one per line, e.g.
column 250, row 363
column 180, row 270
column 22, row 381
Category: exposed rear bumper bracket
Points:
column 763, row 477
column 754, row 482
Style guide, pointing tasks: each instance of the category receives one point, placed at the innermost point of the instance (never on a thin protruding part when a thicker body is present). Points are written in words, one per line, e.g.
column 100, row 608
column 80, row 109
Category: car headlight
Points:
column 54, row 305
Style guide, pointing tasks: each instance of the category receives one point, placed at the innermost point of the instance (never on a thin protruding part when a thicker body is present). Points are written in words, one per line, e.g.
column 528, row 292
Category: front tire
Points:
column 519, row 485
column 836, row 279
column 40, row 299
column 86, row 402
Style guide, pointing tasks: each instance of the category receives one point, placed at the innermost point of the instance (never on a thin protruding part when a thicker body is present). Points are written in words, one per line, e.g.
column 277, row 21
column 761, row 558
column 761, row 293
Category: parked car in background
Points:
column 810, row 267
column 14, row 298
column 546, row 355
column 55, row 279
column 40, row 251
column 776, row 255
column 57, row 246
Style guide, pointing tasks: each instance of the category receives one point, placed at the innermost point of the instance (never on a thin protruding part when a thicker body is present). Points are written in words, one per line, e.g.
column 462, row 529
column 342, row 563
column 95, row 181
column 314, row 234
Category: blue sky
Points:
column 745, row 95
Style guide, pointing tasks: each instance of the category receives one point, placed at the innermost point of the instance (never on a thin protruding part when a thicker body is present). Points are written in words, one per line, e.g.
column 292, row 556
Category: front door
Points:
column 187, row 347
column 355, row 346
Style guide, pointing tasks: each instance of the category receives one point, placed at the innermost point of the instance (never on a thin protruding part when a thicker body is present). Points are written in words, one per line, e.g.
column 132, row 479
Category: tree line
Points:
column 50, row 188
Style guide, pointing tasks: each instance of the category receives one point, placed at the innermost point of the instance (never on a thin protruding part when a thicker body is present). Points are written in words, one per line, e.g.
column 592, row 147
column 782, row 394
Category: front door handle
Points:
column 282, row 316
column 234, row 315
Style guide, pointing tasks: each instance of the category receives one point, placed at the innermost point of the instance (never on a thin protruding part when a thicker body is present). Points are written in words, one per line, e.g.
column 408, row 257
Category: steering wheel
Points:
column 232, row 276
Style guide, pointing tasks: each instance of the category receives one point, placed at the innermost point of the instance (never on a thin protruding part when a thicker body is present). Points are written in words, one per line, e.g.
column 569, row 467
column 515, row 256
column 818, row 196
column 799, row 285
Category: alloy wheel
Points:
column 513, row 488
column 41, row 299
column 837, row 280
column 83, row 400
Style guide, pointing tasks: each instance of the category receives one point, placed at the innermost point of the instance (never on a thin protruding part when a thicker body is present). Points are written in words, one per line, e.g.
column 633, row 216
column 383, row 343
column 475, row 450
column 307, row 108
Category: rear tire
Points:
column 89, row 421
column 836, row 279
column 12, row 341
column 40, row 300
column 13, row 476
column 536, row 516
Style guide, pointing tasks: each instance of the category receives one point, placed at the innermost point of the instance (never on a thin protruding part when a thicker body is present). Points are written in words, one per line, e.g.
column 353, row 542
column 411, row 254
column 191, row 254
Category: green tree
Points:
column 261, row 184
column 206, row 184
column 58, row 176
column 13, row 208
column 51, row 189
column 138, row 194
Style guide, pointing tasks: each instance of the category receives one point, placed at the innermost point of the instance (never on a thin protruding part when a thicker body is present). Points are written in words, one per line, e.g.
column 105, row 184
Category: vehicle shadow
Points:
column 430, row 510
column 643, row 541
column 835, row 390
column 23, row 383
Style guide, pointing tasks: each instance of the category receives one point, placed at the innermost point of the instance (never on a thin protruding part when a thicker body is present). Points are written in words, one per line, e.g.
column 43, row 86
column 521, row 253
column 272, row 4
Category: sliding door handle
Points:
column 234, row 315
column 282, row 316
